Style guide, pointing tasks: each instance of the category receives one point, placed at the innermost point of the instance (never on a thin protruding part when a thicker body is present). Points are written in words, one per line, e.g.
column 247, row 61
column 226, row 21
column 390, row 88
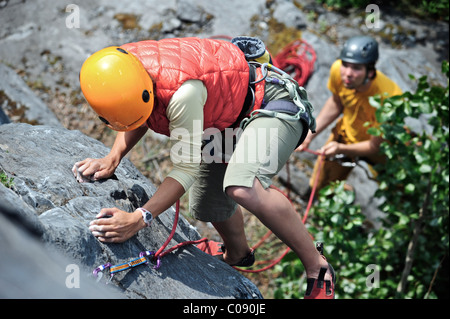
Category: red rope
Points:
column 297, row 59
column 311, row 198
column 161, row 253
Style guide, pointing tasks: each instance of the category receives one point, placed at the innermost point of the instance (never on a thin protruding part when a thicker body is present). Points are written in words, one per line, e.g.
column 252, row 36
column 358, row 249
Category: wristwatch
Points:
column 146, row 215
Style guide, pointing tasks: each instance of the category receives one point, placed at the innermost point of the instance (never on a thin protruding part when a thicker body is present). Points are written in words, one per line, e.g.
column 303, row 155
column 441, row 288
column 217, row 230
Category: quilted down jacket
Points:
column 220, row 65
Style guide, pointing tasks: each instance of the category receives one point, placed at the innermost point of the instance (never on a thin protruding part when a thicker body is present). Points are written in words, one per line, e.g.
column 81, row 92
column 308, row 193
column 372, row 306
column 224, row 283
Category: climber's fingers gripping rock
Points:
column 113, row 225
column 93, row 169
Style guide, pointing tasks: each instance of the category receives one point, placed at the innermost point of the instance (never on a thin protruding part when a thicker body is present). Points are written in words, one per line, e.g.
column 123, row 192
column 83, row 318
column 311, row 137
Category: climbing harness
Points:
column 299, row 56
column 298, row 109
column 297, row 94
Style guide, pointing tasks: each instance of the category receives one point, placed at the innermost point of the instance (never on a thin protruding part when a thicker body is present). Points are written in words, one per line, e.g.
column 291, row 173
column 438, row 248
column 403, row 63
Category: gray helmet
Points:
column 360, row 49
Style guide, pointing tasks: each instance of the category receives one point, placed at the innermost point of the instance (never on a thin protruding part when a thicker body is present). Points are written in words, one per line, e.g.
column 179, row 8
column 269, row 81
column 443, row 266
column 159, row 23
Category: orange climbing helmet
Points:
column 118, row 88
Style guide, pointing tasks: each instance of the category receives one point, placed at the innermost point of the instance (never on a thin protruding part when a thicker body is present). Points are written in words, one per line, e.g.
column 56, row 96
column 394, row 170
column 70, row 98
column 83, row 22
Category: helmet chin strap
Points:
column 366, row 79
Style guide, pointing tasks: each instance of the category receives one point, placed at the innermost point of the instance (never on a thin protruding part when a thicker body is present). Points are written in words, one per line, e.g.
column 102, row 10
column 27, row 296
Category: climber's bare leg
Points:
column 275, row 211
column 233, row 236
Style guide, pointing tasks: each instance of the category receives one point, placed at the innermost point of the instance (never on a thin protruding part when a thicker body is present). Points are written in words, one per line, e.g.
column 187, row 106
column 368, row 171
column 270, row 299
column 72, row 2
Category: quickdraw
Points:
column 142, row 259
column 146, row 256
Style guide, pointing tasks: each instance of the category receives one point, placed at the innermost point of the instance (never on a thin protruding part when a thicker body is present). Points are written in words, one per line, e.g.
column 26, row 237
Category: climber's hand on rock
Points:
column 116, row 226
column 93, row 169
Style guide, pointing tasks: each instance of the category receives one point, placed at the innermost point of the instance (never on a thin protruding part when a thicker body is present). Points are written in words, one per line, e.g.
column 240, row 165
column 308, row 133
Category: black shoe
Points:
column 247, row 261
column 217, row 250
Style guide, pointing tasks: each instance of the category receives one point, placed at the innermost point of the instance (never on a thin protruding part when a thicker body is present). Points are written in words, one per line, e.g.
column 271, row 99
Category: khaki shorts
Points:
column 261, row 151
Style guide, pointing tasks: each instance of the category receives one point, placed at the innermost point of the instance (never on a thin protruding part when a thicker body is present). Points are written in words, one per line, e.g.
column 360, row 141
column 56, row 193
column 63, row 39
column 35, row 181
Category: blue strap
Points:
column 132, row 263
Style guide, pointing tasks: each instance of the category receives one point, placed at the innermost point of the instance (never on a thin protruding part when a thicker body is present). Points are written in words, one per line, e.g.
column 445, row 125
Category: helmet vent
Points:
column 103, row 120
column 122, row 50
column 145, row 96
column 366, row 49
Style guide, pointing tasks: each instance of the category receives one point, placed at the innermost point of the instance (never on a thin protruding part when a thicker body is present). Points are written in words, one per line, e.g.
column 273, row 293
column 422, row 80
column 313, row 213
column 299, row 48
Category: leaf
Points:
column 425, row 168
column 337, row 219
column 400, row 175
column 374, row 131
column 404, row 220
column 408, row 109
column 409, row 189
column 375, row 101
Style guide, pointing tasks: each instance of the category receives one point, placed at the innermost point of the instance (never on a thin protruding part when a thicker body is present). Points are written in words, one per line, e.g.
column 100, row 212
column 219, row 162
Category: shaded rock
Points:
column 189, row 11
column 28, row 269
column 40, row 158
column 4, row 119
column 290, row 15
column 17, row 99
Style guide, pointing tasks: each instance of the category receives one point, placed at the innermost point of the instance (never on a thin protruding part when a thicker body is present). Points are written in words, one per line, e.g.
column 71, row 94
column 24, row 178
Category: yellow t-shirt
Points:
column 356, row 107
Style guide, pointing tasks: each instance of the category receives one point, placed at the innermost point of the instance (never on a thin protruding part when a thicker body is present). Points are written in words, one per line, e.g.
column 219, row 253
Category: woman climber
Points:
column 196, row 91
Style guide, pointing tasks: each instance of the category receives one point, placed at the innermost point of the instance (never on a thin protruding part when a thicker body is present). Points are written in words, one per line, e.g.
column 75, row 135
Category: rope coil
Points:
column 298, row 60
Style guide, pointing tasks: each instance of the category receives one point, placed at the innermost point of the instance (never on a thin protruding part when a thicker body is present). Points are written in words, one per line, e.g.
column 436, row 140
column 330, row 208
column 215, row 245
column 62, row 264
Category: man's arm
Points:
column 330, row 111
column 91, row 169
column 122, row 225
column 184, row 110
column 365, row 148
column 124, row 142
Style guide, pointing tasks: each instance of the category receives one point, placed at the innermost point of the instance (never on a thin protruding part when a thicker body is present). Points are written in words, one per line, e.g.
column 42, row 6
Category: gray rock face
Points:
column 20, row 99
column 29, row 269
column 46, row 196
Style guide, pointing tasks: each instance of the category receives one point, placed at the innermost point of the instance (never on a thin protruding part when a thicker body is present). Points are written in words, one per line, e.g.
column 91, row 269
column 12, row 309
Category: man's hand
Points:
column 330, row 149
column 305, row 143
column 116, row 226
column 93, row 169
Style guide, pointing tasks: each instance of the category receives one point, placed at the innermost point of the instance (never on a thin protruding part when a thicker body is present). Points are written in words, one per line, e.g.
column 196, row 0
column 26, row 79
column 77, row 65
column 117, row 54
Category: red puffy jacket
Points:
column 220, row 65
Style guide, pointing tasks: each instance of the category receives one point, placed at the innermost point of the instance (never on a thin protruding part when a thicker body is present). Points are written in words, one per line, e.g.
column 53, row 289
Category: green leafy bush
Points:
column 430, row 9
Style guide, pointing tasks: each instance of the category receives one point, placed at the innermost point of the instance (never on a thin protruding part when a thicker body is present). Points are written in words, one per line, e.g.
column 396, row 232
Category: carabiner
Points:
column 98, row 272
column 264, row 71
column 158, row 263
column 148, row 253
